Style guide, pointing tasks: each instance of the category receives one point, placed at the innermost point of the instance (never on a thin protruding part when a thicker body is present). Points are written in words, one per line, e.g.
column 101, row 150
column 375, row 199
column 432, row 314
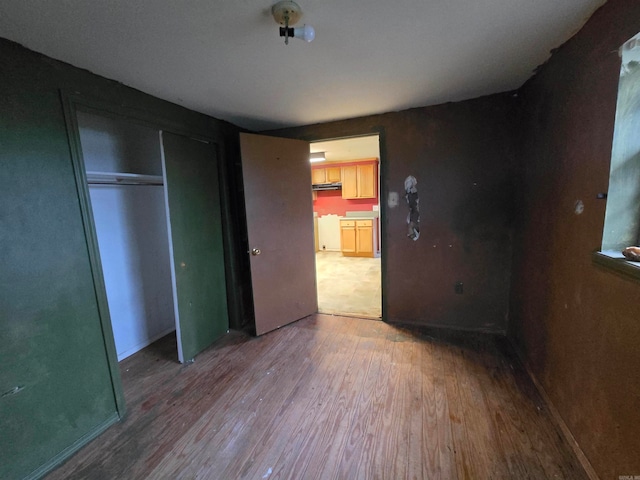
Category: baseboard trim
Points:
column 73, row 448
column 557, row 418
column 445, row 327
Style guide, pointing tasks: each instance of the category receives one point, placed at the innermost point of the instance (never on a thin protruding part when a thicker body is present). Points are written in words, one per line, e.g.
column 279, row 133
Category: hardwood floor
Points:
column 330, row 398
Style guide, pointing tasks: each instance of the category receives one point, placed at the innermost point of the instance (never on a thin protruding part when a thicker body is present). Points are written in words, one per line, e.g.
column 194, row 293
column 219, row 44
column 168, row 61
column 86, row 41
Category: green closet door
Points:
column 195, row 225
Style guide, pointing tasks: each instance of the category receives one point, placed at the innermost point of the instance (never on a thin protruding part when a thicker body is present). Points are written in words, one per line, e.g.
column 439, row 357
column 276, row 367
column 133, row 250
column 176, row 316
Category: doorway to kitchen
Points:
column 346, row 211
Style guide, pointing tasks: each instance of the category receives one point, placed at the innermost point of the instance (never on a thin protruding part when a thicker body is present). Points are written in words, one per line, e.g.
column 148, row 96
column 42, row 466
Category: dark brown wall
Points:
column 577, row 324
column 461, row 155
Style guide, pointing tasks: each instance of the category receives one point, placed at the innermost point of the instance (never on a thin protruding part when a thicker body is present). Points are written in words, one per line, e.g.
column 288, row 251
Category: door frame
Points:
column 71, row 103
column 382, row 189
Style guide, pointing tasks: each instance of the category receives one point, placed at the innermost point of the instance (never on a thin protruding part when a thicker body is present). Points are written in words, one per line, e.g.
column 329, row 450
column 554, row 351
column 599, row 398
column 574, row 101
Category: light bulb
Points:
column 306, row 33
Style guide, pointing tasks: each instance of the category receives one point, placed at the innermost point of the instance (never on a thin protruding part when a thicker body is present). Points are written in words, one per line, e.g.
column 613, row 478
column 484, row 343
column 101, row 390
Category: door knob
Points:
column 255, row 251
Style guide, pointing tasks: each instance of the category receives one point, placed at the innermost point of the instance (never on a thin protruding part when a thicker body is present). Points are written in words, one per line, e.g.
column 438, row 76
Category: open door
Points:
column 195, row 236
column 279, row 207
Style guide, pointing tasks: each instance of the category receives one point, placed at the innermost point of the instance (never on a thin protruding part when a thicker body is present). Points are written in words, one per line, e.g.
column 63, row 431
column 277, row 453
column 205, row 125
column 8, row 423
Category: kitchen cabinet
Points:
column 318, row 175
column 333, row 174
column 325, row 175
column 356, row 238
column 359, row 181
column 364, row 238
column 348, row 237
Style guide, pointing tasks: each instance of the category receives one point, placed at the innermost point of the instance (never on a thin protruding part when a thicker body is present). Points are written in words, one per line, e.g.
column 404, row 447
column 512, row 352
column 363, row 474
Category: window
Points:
column 622, row 218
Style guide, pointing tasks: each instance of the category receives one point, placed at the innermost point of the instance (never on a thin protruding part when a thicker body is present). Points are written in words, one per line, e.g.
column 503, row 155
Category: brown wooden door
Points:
column 276, row 174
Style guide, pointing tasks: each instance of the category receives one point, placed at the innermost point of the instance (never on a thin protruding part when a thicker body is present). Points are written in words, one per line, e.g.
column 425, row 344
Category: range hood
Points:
column 327, row 186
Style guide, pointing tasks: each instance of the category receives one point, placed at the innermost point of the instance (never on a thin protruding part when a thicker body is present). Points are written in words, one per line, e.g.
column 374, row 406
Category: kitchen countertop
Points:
column 364, row 215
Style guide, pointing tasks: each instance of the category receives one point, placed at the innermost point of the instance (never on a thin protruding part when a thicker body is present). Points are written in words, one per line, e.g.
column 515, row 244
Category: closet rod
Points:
column 110, row 178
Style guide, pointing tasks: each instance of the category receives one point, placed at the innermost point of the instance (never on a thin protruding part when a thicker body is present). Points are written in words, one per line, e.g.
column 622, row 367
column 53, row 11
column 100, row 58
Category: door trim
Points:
column 70, row 106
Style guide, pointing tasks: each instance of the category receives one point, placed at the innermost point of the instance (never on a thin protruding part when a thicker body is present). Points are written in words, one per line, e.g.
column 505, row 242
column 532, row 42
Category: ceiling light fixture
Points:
column 317, row 157
column 287, row 13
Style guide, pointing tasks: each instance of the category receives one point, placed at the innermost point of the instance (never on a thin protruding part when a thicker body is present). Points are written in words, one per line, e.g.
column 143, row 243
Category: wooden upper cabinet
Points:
column 366, row 181
column 318, row 175
column 325, row 175
column 349, row 182
column 333, row 174
column 359, row 181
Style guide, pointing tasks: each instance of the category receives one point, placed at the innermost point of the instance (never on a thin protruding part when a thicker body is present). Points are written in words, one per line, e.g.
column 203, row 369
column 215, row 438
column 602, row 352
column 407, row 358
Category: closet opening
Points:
column 124, row 175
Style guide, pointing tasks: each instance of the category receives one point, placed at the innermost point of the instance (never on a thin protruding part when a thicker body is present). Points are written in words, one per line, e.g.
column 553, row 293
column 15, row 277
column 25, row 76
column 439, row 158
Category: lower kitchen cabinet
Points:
column 356, row 238
column 348, row 237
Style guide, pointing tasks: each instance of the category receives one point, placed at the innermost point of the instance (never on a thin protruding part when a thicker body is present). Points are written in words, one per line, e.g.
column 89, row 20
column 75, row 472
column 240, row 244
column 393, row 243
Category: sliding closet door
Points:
column 193, row 204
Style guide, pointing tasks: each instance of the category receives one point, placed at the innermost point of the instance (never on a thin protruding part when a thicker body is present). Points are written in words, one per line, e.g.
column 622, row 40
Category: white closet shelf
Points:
column 113, row 178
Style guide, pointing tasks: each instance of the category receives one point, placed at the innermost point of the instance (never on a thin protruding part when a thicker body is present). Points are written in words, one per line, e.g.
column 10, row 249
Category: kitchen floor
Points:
column 348, row 285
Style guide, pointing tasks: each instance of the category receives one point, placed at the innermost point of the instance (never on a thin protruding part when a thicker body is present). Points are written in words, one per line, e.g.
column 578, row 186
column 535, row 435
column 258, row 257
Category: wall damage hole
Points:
column 413, row 218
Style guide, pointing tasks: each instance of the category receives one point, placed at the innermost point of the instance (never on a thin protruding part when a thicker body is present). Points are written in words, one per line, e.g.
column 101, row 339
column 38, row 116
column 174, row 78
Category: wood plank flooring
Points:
column 330, row 398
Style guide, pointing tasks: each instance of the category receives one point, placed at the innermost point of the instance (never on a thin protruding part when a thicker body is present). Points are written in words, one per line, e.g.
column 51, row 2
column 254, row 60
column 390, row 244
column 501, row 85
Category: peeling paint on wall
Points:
column 413, row 218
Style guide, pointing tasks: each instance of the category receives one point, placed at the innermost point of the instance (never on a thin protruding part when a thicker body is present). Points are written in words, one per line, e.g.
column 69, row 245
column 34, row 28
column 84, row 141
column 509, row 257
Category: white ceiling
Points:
column 225, row 58
column 354, row 148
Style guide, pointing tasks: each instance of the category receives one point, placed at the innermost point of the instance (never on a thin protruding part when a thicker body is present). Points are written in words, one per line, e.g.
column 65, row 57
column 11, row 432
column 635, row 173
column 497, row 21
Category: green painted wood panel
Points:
column 56, row 388
column 193, row 194
column 55, row 384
